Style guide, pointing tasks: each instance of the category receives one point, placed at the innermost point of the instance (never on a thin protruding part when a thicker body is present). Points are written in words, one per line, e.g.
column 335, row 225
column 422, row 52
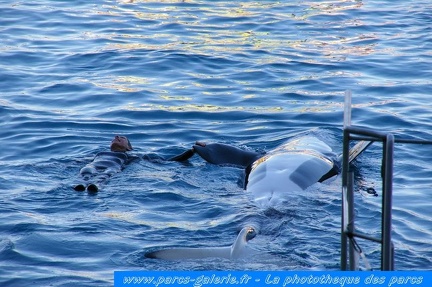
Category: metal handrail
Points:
column 348, row 256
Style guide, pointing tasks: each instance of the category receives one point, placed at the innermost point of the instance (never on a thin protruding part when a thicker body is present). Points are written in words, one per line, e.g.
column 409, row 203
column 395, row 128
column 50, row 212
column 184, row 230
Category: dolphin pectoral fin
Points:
column 235, row 251
column 332, row 172
column 356, row 150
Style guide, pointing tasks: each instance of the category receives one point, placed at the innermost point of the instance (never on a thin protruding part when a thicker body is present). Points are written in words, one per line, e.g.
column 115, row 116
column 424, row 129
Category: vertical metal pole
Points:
column 386, row 251
column 347, row 109
column 344, row 222
column 353, row 258
column 345, row 163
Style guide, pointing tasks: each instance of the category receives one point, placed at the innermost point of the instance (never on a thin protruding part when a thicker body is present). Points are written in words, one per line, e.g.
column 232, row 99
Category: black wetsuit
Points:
column 103, row 166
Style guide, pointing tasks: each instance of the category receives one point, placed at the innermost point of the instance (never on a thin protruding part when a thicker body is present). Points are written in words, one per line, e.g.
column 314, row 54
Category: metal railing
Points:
column 348, row 226
column 349, row 254
column 350, row 250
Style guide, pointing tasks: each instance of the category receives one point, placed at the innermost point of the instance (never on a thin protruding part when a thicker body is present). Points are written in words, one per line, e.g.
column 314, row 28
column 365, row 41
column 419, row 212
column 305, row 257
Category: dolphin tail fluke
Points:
column 218, row 153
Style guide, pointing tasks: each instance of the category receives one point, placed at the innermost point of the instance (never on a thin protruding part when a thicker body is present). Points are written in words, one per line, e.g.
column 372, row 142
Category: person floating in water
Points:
column 105, row 164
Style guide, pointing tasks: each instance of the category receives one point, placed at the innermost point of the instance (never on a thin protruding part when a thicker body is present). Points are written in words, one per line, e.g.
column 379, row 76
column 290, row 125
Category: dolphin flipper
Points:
column 235, row 251
column 354, row 152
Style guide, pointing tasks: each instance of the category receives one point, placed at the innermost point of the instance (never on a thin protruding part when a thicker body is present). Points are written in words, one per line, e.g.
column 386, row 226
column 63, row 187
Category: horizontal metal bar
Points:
column 369, row 135
column 366, row 132
column 412, row 141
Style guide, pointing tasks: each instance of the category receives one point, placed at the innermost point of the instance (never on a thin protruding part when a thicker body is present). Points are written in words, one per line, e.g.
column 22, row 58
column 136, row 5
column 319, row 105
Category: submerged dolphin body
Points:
column 236, row 251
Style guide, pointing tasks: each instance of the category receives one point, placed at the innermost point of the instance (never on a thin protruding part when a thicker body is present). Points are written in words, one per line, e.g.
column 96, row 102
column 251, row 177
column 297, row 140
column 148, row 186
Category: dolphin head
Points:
column 238, row 248
column 235, row 251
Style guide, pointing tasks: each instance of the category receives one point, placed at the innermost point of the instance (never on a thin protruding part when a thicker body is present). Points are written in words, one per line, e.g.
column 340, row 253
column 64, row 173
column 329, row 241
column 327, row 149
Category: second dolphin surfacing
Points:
column 236, row 251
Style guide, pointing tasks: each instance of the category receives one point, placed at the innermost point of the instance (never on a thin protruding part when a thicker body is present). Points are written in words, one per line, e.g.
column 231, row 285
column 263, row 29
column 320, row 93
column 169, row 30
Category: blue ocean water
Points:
column 167, row 73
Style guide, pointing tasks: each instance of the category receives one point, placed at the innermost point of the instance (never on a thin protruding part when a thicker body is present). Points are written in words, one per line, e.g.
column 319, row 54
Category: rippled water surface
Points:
column 168, row 73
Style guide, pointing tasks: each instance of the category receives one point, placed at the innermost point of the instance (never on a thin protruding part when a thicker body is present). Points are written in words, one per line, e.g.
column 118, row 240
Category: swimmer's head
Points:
column 121, row 143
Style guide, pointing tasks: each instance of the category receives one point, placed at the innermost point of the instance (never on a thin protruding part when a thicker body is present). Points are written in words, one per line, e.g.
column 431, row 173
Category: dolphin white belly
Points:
column 292, row 167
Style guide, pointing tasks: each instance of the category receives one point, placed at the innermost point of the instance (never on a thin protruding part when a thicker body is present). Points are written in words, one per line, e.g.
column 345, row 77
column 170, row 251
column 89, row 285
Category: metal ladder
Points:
column 349, row 255
column 348, row 218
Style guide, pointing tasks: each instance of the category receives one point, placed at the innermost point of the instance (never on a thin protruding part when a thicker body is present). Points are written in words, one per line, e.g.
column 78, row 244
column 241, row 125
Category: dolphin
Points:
column 236, row 251
column 293, row 166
